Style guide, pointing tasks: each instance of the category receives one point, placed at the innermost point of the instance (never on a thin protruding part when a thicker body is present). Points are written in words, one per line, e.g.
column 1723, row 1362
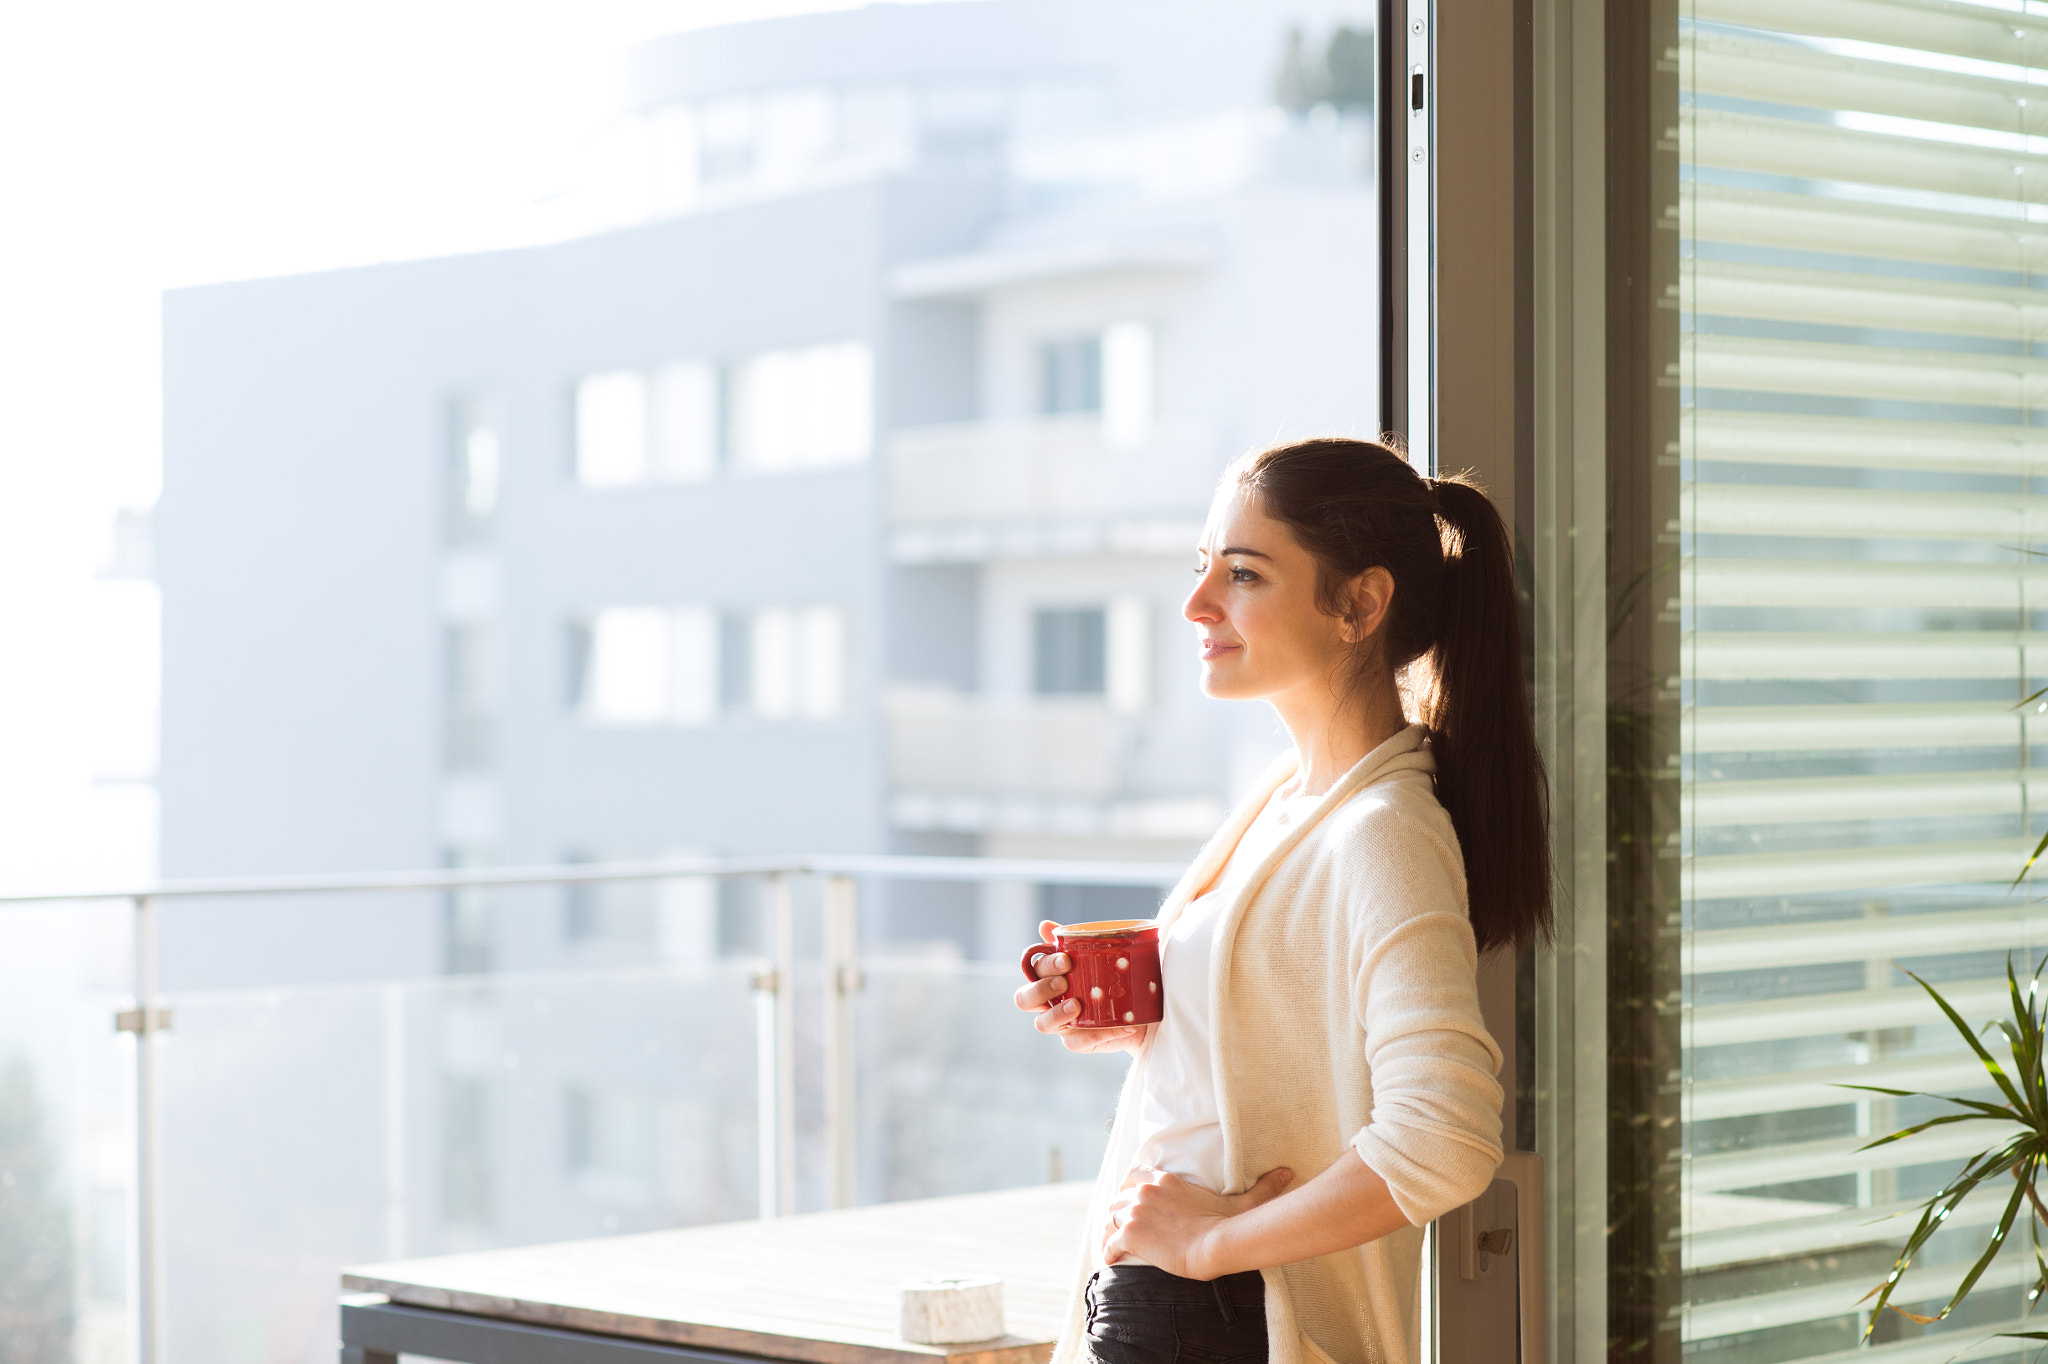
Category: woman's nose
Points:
column 1198, row 608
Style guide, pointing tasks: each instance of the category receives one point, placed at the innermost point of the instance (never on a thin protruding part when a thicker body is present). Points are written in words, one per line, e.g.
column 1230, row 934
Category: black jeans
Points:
column 1138, row 1314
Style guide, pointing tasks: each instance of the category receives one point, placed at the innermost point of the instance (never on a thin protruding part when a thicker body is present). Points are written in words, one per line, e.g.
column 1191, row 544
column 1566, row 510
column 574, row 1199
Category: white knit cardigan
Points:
column 1345, row 1013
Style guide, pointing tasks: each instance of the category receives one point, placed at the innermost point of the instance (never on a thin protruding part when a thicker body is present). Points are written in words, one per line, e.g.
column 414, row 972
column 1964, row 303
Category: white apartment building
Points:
column 843, row 502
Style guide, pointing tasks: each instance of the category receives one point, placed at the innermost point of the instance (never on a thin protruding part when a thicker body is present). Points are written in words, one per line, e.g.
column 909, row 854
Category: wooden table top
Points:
column 820, row 1288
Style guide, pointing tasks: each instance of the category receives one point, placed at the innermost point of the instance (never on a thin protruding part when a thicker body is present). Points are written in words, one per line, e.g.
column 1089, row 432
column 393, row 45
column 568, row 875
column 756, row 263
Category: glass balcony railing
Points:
column 219, row 1159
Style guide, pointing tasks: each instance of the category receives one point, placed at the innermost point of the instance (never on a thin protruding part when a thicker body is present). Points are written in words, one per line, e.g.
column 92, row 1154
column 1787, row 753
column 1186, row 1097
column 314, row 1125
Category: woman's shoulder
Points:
column 1392, row 840
column 1400, row 806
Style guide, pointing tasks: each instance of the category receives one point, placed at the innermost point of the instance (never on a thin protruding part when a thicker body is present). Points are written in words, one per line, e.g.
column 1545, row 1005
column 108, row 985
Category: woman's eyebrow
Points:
column 1240, row 549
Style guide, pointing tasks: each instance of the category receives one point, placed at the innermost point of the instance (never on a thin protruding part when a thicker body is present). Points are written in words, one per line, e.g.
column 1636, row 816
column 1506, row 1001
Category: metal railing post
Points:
column 767, row 1122
column 395, row 1195
column 148, row 1020
column 785, row 1042
column 842, row 980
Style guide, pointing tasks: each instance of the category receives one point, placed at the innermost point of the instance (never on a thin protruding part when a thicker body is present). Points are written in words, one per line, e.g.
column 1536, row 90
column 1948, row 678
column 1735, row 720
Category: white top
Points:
column 1344, row 1023
column 1180, row 1128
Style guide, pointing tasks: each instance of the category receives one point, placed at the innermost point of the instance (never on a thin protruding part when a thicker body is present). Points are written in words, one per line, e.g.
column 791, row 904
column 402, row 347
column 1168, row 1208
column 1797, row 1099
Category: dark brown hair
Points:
column 1356, row 505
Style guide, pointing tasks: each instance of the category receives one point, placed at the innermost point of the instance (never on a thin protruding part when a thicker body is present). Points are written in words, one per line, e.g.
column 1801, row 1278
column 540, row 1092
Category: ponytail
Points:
column 1357, row 505
column 1489, row 775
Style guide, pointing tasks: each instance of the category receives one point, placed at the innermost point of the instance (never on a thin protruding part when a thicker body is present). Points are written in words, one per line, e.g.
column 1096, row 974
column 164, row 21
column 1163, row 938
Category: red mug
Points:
column 1113, row 969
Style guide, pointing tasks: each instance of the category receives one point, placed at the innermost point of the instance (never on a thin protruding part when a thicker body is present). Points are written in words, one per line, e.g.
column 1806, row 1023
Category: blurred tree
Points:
column 1349, row 64
column 35, row 1233
column 1298, row 84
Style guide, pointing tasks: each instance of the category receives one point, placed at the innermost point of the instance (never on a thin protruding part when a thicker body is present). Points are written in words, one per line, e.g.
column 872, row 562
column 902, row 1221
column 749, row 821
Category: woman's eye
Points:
column 1239, row 574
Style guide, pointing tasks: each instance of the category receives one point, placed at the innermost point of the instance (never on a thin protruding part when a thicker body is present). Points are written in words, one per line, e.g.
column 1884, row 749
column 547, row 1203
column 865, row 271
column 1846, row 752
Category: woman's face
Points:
column 1254, row 606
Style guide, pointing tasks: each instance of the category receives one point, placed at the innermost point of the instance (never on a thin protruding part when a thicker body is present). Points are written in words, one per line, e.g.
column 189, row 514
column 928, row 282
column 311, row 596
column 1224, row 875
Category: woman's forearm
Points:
column 1346, row 1205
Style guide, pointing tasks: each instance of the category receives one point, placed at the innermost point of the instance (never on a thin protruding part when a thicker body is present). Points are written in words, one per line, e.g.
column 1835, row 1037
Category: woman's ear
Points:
column 1372, row 597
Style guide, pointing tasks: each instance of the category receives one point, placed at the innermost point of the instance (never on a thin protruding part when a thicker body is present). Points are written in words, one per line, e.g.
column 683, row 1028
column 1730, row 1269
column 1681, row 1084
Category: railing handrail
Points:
column 887, row 866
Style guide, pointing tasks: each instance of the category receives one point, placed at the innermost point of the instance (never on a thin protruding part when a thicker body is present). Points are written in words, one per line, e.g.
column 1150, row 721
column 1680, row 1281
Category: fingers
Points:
column 1050, row 985
column 1094, row 1039
column 1269, row 1186
column 1046, row 929
column 1114, row 1218
column 1145, row 1174
column 1057, row 1019
column 1040, row 993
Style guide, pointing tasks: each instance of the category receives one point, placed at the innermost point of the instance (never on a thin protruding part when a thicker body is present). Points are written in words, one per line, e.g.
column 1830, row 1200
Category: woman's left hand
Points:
column 1171, row 1223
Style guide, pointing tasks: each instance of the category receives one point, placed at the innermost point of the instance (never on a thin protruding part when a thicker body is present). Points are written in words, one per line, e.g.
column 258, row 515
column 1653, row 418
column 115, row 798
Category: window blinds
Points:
column 1863, row 220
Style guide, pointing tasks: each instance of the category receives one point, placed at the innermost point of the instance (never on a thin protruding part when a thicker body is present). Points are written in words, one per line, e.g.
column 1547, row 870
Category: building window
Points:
column 611, row 429
column 646, row 665
column 465, row 1151
column 659, row 426
column 1127, row 654
column 727, row 134
column 735, row 661
column 803, row 409
column 684, row 422
column 465, row 918
column 1108, row 372
column 1127, row 384
column 468, row 666
column 1070, row 375
column 786, row 662
column 799, row 130
column 472, row 478
column 1069, row 654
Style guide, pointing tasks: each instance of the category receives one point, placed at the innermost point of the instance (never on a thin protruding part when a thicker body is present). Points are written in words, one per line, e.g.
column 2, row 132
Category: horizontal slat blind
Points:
column 1864, row 372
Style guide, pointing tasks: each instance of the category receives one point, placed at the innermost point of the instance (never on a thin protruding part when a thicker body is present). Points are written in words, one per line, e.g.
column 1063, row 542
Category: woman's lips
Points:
column 1216, row 648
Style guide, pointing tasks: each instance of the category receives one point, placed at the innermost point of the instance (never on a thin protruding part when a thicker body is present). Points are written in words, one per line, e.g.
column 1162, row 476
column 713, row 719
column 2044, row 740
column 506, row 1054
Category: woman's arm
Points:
column 1432, row 1141
column 1184, row 1229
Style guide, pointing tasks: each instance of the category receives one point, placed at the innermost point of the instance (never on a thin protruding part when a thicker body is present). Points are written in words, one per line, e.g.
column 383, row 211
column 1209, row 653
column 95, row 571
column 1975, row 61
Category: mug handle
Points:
column 1029, row 961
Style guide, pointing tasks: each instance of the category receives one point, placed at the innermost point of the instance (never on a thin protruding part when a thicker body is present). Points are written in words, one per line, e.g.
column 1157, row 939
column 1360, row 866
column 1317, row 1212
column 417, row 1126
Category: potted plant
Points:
column 2019, row 1155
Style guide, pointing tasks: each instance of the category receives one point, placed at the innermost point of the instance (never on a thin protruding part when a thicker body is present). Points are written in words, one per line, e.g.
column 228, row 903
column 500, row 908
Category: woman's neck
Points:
column 1333, row 729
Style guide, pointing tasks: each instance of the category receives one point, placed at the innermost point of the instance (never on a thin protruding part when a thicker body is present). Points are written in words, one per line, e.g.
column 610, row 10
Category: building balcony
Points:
column 1057, row 765
column 1059, row 485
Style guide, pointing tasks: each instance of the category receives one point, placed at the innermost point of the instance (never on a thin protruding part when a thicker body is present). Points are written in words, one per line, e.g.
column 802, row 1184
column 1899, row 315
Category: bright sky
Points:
column 150, row 145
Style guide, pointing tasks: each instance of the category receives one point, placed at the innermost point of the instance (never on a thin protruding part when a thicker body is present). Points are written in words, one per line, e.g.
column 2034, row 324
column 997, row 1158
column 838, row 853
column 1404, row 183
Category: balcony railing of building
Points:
column 1066, row 484
column 347, row 1087
column 1031, row 765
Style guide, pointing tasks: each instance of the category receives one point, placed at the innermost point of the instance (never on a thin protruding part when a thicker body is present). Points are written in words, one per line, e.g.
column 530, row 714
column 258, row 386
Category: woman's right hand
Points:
column 1058, row 1020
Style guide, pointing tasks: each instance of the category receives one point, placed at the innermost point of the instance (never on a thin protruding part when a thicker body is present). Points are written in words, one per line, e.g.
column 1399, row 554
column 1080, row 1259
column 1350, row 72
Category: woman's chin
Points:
column 1222, row 683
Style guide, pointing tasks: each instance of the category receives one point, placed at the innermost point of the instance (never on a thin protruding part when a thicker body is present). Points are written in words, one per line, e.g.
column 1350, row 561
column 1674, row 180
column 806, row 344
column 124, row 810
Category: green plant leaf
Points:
column 1942, row 1121
column 2023, row 1035
column 1989, row 1110
column 1957, row 1189
column 1970, row 1036
column 2024, row 1156
column 2032, row 858
column 1991, row 1248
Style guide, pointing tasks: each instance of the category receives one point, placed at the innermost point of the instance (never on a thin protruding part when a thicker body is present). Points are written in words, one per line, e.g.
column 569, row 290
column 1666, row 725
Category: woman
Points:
column 1322, row 1085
